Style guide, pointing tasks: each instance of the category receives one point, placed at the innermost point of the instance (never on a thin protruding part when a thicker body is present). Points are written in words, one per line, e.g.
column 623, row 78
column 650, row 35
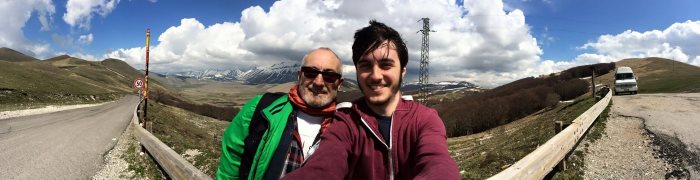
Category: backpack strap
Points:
column 256, row 129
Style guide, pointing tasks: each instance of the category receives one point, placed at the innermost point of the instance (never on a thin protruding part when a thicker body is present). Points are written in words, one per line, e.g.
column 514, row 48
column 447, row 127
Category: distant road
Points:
column 62, row 145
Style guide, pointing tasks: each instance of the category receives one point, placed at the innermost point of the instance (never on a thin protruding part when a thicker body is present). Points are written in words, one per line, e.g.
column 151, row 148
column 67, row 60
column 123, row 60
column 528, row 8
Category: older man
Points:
column 274, row 134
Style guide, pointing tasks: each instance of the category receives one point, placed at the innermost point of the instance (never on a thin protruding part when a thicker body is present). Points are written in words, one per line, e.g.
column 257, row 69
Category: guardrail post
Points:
column 593, row 82
column 558, row 127
column 142, row 150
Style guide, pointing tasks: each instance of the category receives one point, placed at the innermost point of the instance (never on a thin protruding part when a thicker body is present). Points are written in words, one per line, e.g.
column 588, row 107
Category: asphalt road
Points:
column 673, row 122
column 676, row 115
column 62, row 145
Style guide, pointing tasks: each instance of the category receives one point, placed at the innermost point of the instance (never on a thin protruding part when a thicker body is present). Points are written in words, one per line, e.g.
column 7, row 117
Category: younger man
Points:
column 381, row 135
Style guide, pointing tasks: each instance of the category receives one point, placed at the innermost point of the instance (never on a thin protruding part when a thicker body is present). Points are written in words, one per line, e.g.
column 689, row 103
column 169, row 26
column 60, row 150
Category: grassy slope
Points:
column 124, row 70
column 7, row 54
column 658, row 75
column 183, row 130
column 64, row 80
column 485, row 154
column 37, row 77
column 33, row 84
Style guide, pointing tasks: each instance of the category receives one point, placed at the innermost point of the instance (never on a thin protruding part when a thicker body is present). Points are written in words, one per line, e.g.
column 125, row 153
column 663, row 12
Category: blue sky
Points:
column 489, row 42
column 125, row 26
column 574, row 22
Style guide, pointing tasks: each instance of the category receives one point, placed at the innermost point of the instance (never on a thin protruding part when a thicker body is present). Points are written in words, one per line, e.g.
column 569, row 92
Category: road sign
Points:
column 138, row 83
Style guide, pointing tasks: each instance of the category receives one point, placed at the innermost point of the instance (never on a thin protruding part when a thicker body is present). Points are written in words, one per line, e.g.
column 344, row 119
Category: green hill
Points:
column 64, row 80
column 7, row 54
column 37, row 77
column 659, row 75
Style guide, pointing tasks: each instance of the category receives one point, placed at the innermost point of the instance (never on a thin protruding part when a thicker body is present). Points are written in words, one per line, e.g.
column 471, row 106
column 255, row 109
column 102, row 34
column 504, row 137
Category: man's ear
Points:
column 403, row 73
column 340, row 83
column 298, row 75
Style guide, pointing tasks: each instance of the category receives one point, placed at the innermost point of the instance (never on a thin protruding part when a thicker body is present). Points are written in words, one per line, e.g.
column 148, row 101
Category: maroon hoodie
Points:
column 353, row 147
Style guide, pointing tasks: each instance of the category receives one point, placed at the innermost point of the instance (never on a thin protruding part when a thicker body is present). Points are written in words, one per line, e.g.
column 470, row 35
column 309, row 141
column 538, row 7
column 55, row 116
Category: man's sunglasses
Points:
column 312, row 73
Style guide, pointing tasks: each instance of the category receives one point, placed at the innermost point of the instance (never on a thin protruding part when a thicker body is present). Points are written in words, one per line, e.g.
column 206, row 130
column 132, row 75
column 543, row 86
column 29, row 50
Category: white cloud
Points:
column 15, row 15
column 85, row 39
column 679, row 42
column 482, row 41
column 477, row 37
column 191, row 45
column 80, row 12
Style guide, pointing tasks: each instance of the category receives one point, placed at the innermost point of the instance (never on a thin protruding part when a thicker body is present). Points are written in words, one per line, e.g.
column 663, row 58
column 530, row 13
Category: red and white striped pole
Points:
column 145, row 95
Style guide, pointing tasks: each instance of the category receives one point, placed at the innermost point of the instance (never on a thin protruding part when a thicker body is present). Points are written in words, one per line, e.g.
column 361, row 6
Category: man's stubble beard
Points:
column 309, row 98
column 394, row 91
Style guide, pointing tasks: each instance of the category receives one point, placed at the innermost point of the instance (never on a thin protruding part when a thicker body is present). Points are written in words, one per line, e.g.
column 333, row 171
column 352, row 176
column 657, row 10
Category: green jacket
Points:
column 232, row 142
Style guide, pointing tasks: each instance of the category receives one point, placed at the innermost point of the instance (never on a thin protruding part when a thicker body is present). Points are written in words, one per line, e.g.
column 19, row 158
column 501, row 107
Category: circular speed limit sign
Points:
column 138, row 83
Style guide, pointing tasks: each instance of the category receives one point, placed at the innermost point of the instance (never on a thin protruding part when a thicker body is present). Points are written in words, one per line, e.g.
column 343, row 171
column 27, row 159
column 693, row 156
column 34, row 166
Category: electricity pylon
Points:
column 424, row 61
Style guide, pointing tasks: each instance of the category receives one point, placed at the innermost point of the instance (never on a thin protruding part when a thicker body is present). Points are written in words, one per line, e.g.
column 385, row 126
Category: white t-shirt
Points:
column 308, row 127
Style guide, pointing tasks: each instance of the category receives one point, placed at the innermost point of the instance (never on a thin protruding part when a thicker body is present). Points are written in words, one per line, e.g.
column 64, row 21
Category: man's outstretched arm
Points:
column 433, row 161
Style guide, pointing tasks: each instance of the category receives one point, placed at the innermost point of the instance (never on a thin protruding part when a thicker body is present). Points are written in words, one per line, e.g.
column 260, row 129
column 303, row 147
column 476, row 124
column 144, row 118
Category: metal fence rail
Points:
column 540, row 162
column 174, row 165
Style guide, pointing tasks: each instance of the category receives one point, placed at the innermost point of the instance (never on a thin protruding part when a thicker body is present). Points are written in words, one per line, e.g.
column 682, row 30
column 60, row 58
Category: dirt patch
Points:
column 624, row 152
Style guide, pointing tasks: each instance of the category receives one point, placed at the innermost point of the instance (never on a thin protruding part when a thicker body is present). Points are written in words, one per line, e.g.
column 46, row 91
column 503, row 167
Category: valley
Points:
column 481, row 148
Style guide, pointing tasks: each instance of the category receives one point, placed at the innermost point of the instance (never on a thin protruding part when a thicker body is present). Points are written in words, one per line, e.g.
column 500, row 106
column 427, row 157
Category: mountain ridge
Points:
column 273, row 74
column 11, row 55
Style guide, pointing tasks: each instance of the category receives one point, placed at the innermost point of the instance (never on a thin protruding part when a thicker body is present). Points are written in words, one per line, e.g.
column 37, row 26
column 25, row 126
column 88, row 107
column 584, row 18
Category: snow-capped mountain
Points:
column 274, row 74
column 277, row 73
column 440, row 86
column 212, row 74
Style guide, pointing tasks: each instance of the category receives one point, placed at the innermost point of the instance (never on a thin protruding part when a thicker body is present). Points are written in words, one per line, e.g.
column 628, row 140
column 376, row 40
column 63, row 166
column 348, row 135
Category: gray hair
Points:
column 303, row 60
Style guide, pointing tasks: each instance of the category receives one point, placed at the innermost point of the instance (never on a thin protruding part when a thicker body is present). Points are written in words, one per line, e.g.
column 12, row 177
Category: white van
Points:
column 625, row 81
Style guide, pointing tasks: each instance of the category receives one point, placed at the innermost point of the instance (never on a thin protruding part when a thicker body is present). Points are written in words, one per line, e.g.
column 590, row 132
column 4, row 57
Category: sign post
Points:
column 138, row 85
column 145, row 91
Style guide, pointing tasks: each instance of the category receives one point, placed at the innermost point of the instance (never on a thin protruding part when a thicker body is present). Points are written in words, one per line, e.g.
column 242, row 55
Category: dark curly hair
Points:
column 371, row 37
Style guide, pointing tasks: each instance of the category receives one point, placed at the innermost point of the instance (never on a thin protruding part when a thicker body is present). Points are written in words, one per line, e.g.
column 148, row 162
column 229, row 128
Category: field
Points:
column 233, row 94
column 222, row 93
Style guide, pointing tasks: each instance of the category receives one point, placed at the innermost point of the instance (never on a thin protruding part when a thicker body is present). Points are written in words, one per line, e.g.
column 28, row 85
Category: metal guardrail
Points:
column 174, row 165
column 540, row 162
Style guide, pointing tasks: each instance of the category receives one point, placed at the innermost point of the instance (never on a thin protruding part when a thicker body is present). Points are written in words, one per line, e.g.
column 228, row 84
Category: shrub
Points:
column 571, row 89
column 515, row 100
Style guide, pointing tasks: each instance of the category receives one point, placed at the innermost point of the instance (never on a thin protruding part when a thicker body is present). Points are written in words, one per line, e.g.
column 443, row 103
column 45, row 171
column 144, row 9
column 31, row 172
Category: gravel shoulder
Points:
column 115, row 166
column 44, row 110
column 648, row 136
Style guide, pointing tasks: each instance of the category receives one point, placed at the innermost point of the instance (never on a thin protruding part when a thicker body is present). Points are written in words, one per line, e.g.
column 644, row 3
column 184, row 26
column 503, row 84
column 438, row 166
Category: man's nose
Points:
column 376, row 74
column 318, row 80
